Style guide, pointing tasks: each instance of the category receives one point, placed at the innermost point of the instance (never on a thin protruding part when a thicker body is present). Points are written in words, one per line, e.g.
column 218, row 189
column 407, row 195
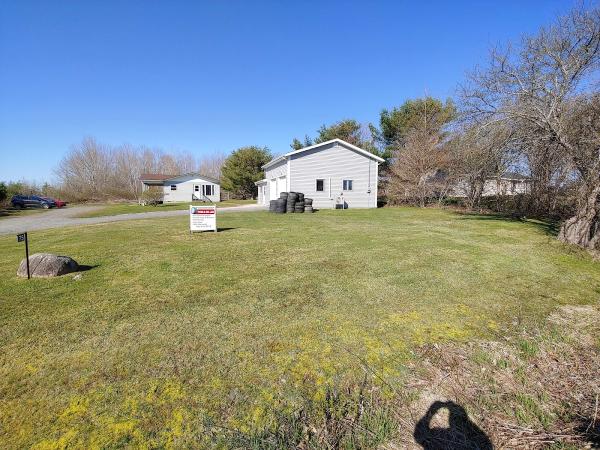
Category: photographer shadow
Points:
column 462, row 433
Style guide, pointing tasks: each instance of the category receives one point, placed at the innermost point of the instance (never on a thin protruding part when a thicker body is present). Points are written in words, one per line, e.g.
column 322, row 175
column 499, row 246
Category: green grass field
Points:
column 169, row 332
column 113, row 209
column 9, row 211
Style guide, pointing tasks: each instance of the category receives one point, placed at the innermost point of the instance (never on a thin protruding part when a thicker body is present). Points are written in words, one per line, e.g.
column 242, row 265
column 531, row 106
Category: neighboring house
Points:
column 510, row 183
column 332, row 172
column 183, row 188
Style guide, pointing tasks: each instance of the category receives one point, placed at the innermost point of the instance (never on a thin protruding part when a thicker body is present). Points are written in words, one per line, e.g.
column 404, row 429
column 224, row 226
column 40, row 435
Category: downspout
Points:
column 288, row 179
column 369, row 186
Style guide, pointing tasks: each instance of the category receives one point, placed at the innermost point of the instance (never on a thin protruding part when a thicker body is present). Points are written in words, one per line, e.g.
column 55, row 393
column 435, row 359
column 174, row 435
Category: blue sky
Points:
column 212, row 76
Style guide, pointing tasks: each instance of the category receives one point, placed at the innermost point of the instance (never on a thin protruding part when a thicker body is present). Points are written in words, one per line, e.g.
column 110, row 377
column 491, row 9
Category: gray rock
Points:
column 47, row 265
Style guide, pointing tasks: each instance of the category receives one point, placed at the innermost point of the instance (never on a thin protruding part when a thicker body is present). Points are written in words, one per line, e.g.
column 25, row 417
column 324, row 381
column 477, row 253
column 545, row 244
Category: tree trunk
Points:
column 583, row 228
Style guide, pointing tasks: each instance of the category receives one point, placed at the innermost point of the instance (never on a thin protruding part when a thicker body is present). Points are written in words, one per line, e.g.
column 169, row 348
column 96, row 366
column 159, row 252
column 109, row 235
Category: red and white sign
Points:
column 203, row 218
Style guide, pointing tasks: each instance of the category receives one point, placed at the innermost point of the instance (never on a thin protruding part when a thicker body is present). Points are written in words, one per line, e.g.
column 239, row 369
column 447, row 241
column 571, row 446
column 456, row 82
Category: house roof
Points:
column 162, row 177
column 514, row 176
column 339, row 141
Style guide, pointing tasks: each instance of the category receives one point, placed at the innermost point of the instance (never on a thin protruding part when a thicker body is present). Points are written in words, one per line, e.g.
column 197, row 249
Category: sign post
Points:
column 22, row 237
column 203, row 218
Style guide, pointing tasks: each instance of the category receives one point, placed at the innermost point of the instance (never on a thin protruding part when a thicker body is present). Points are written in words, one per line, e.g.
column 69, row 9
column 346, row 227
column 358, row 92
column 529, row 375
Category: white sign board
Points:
column 203, row 218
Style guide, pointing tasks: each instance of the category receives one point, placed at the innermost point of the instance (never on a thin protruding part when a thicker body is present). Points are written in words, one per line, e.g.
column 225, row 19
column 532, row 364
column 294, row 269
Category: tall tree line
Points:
column 95, row 171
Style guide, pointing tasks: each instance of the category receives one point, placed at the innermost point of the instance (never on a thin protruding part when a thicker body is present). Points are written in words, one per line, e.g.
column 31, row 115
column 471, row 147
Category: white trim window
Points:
column 208, row 189
column 173, row 187
column 346, row 185
column 320, row 185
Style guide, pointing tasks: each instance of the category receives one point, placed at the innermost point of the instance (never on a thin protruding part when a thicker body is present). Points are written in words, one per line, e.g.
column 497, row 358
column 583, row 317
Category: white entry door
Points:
column 263, row 195
column 281, row 185
column 273, row 194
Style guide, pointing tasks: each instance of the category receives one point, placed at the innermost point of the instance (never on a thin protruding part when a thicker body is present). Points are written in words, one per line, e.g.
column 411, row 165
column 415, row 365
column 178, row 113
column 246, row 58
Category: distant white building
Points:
column 510, row 183
column 183, row 188
column 332, row 172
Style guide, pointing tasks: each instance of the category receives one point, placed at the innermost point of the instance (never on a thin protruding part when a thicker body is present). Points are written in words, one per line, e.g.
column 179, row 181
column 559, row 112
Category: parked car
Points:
column 31, row 201
column 59, row 203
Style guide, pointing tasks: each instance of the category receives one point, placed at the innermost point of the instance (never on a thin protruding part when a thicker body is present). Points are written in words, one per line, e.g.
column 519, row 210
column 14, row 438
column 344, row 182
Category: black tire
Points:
column 308, row 201
column 45, row 206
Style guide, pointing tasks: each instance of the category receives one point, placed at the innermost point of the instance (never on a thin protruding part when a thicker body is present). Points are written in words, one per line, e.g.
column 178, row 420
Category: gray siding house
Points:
column 332, row 172
column 183, row 188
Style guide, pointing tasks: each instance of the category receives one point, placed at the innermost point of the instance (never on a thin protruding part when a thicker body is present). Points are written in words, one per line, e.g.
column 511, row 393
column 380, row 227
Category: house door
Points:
column 273, row 194
column 281, row 185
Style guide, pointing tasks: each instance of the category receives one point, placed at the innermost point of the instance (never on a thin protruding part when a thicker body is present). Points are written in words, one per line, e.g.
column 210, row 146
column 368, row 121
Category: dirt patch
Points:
column 532, row 391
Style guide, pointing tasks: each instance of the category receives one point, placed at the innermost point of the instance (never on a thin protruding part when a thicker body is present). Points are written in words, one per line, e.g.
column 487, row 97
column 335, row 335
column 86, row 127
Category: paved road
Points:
column 64, row 217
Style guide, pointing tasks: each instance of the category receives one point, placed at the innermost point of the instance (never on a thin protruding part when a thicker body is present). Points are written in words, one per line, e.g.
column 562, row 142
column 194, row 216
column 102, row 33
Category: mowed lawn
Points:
column 169, row 332
column 114, row 209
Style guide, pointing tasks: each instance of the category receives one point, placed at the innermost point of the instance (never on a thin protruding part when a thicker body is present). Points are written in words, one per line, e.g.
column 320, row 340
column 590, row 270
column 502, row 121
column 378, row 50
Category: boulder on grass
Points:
column 47, row 265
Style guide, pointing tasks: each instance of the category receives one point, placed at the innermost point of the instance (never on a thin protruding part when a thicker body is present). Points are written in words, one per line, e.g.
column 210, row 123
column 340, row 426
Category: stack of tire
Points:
column 299, row 206
column 291, row 202
column 308, row 205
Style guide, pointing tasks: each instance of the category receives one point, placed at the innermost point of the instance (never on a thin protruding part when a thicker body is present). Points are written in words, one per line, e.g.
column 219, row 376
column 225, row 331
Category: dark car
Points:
column 31, row 201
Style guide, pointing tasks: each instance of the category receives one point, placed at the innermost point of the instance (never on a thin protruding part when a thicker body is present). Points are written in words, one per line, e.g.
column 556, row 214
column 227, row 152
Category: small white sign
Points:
column 203, row 218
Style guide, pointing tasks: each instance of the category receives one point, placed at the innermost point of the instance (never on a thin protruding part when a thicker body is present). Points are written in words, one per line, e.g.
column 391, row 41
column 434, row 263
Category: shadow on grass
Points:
column 460, row 434
column 219, row 229
column 85, row 267
column 549, row 227
column 11, row 212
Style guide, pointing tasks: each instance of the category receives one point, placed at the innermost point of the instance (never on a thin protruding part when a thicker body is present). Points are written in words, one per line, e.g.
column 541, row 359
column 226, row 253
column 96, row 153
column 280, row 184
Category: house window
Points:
column 209, row 189
column 347, row 185
column 196, row 188
column 320, row 185
column 173, row 187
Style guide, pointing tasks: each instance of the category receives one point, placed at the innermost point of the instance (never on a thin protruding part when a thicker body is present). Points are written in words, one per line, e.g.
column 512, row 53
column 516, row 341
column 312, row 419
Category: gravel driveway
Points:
column 64, row 217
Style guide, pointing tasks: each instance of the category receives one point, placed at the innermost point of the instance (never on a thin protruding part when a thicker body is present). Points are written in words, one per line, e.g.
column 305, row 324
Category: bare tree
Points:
column 533, row 90
column 583, row 127
column 478, row 154
column 211, row 165
column 85, row 172
column 126, row 171
column 186, row 163
column 419, row 171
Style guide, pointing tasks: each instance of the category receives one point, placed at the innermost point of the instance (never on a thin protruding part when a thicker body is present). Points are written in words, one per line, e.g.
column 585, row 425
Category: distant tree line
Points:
column 95, row 171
